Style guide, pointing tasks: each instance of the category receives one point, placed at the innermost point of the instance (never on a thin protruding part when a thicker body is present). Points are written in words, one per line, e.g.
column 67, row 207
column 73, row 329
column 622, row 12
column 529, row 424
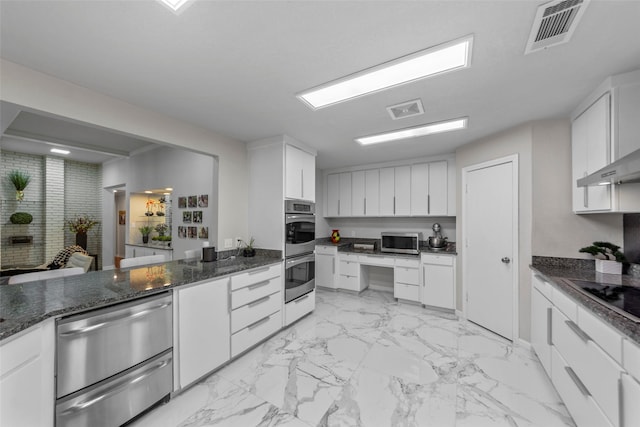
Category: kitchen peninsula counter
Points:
column 554, row 270
column 24, row 305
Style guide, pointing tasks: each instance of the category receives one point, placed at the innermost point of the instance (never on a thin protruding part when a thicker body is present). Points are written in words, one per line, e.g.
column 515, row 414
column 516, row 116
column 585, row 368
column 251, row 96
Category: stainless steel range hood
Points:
column 623, row 170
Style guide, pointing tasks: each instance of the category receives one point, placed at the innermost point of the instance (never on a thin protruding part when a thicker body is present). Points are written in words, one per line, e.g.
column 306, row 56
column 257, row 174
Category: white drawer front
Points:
column 250, row 313
column 408, row 292
column 410, row 276
column 350, row 283
column 631, row 358
column 20, row 349
column 254, row 276
column 380, row 261
column 299, row 307
column 630, row 401
column 608, row 339
column 597, row 371
column 542, row 285
column 580, row 404
column 349, row 268
column 255, row 291
column 349, row 257
column 253, row 334
column 437, row 259
column 408, row 262
column 327, row 250
column 565, row 304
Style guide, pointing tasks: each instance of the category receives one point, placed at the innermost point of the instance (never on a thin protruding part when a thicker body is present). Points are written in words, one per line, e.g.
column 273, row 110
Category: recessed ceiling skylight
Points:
column 429, row 62
column 59, row 151
column 414, row 132
column 174, row 5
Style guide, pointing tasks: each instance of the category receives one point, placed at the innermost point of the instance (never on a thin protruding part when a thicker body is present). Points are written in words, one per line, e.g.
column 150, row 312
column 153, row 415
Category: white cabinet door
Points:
column 438, row 281
column 372, row 192
column 591, row 147
column 420, row 189
column 203, row 329
column 300, row 174
column 402, row 187
column 438, row 188
column 630, row 406
column 27, row 377
column 325, row 271
column 429, row 189
column 345, row 194
column 387, row 191
column 358, row 193
column 541, row 328
column 333, row 194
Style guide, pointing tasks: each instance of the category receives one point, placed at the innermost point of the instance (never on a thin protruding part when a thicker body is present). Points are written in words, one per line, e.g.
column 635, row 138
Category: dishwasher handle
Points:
column 121, row 318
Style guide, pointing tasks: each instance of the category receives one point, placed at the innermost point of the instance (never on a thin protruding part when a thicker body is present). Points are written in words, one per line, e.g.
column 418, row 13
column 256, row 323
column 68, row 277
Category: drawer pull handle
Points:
column 583, row 389
column 258, row 323
column 259, row 270
column 579, row 332
column 259, row 301
column 301, row 299
column 549, row 326
column 258, row 285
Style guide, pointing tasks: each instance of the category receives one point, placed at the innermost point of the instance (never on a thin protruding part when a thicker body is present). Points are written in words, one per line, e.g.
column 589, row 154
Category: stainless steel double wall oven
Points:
column 299, row 235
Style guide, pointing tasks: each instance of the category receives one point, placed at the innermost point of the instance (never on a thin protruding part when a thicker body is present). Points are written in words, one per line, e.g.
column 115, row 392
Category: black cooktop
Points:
column 625, row 298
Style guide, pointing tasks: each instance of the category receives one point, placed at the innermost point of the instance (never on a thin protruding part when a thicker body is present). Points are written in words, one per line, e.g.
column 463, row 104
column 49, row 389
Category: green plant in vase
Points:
column 20, row 180
column 145, row 230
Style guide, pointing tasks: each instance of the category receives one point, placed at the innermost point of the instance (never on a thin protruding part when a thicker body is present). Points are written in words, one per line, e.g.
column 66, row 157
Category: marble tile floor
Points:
column 366, row 360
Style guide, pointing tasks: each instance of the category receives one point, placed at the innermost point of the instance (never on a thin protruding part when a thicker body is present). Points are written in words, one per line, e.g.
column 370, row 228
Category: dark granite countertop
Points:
column 24, row 305
column 556, row 269
column 346, row 244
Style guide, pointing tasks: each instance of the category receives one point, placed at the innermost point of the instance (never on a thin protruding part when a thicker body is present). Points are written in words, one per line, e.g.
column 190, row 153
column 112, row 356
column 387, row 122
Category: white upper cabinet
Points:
column 605, row 128
column 422, row 189
column 429, row 189
column 300, row 174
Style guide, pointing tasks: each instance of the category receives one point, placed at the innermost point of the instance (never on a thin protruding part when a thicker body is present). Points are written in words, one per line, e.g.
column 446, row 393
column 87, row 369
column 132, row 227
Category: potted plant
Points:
column 145, row 230
column 21, row 218
column 609, row 259
column 80, row 225
column 249, row 250
column 150, row 204
column 20, row 180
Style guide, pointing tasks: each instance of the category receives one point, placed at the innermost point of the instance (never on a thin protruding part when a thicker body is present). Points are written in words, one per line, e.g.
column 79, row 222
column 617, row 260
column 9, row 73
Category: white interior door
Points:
column 490, row 245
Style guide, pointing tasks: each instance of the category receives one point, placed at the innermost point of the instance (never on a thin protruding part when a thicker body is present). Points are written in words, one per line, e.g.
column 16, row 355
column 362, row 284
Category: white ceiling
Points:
column 235, row 66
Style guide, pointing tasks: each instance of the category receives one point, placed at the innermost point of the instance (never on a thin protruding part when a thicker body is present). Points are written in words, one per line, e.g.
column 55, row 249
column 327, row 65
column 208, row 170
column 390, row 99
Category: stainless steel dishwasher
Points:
column 114, row 363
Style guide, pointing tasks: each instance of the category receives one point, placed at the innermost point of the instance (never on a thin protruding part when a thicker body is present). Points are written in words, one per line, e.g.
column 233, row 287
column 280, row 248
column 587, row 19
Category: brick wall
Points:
column 54, row 201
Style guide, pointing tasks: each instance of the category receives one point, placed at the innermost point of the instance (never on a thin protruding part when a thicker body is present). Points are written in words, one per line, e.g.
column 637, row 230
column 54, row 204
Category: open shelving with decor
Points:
column 144, row 209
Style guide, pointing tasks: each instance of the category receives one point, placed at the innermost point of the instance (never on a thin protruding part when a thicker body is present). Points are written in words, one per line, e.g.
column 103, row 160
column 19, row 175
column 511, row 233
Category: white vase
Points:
column 608, row 266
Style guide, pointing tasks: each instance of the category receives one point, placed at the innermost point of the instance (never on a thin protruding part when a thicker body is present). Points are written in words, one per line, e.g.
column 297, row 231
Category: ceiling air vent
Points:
column 555, row 23
column 406, row 109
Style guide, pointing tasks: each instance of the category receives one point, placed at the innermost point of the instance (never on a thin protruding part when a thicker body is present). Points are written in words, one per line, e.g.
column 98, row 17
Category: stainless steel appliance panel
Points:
column 299, row 207
column 299, row 234
column 96, row 345
column 116, row 401
column 399, row 242
column 299, row 277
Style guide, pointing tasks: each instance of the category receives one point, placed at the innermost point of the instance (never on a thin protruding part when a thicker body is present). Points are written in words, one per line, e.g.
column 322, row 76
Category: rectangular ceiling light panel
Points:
column 414, row 132
column 436, row 60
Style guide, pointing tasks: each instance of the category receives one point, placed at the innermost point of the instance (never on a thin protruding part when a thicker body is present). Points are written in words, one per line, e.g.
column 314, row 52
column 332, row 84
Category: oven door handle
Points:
column 301, row 260
column 300, row 218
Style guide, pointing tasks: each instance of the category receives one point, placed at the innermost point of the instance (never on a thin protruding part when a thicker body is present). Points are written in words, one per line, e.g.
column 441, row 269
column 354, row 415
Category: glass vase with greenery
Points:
column 20, row 180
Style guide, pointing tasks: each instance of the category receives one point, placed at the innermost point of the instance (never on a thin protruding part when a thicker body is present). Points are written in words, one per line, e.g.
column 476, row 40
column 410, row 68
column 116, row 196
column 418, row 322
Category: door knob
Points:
column 506, row 260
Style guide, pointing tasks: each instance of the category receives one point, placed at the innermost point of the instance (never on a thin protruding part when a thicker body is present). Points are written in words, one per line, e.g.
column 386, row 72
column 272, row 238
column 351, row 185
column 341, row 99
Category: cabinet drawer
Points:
column 350, row 283
column 254, row 333
column 380, row 261
column 349, row 257
column 254, row 311
column 327, row 250
column 608, row 339
column 565, row 304
column 407, row 262
column 631, row 358
column 581, row 406
column 437, row 259
column 408, row 292
column 597, row 371
column 410, row 276
column 19, row 349
column 296, row 309
column 255, row 276
column 630, row 408
column 255, row 291
column 349, row 268
column 542, row 285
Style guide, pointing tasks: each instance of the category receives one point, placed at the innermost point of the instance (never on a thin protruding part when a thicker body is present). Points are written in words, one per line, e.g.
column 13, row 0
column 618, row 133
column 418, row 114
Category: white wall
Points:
column 371, row 227
column 37, row 92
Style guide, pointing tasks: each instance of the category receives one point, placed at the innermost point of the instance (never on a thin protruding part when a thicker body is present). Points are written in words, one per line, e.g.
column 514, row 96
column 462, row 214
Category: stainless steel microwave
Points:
column 400, row 242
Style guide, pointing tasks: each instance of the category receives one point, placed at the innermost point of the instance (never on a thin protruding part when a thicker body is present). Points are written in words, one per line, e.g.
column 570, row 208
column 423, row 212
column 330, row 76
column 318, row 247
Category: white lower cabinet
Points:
column 133, row 251
column 326, row 260
column 256, row 332
column 439, row 280
column 203, row 329
column 27, row 377
column 630, row 406
column 349, row 269
column 298, row 308
column 406, row 280
column 541, row 314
